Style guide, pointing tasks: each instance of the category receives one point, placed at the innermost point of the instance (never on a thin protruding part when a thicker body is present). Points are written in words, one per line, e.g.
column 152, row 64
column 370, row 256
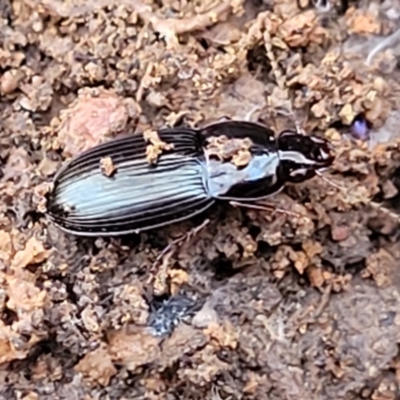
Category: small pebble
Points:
column 360, row 129
column 9, row 81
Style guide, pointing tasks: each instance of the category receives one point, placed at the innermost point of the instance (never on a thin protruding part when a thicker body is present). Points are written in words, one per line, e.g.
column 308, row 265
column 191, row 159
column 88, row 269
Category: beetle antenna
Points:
column 389, row 41
column 328, row 181
column 372, row 204
column 385, row 210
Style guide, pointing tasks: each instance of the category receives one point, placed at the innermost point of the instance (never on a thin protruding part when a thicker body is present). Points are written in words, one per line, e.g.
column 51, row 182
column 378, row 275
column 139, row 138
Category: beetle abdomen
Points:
column 137, row 196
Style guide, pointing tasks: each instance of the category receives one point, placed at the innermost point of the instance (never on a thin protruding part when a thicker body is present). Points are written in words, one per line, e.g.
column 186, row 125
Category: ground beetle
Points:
column 185, row 180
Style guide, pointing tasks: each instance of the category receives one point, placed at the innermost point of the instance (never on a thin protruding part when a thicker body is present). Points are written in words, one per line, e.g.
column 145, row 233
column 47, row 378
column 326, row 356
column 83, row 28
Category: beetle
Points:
column 185, row 181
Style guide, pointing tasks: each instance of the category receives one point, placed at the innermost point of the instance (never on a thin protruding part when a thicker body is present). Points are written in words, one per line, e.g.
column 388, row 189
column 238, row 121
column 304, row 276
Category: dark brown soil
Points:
column 254, row 305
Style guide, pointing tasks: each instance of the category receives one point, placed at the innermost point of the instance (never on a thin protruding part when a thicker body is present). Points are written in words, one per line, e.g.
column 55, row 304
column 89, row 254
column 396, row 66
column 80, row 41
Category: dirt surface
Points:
column 254, row 305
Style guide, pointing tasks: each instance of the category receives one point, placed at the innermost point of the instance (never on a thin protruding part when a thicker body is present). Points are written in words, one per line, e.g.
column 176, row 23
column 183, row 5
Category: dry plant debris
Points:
column 257, row 303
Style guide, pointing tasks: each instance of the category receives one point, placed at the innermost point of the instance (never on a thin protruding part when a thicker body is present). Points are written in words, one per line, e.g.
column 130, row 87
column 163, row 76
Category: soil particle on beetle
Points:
column 156, row 146
column 259, row 303
column 236, row 151
column 107, row 166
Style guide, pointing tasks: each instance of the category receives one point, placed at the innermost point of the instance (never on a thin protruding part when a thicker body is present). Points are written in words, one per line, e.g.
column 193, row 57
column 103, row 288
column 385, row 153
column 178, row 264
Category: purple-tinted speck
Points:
column 360, row 129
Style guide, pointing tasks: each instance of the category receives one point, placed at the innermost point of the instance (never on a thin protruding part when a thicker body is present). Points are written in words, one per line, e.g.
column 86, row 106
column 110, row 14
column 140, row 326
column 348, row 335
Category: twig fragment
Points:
column 169, row 28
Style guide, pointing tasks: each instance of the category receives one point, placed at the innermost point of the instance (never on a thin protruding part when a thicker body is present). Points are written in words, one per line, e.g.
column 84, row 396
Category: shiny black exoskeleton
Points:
column 184, row 181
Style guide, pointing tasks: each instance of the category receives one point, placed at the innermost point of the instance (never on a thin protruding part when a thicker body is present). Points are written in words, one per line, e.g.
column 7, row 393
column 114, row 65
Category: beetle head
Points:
column 302, row 156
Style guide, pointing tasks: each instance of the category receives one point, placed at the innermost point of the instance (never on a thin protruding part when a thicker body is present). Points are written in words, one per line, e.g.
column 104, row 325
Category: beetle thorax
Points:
column 223, row 176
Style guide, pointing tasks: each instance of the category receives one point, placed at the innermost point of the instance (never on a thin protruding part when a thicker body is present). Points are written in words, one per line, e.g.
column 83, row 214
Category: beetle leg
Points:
column 224, row 118
column 299, row 129
column 186, row 237
column 265, row 207
column 250, row 113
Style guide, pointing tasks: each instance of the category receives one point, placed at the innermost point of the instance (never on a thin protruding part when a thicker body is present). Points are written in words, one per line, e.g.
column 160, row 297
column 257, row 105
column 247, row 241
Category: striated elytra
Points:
column 184, row 181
